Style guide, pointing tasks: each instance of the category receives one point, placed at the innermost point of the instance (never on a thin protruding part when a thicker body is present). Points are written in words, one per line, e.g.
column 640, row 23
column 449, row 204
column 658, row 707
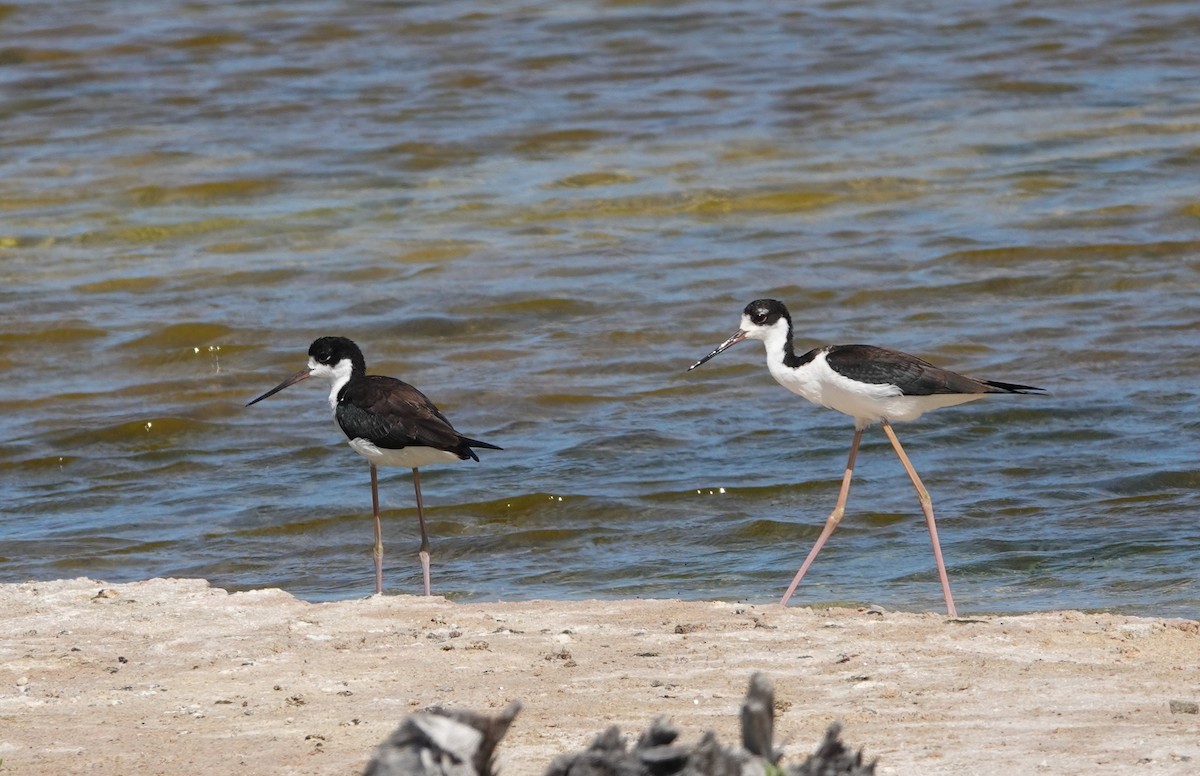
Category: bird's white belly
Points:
column 865, row 402
column 405, row 457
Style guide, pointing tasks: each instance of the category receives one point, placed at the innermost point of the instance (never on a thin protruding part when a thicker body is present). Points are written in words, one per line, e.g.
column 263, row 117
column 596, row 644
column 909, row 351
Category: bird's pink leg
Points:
column 423, row 554
column 378, row 552
column 835, row 517
column 927, row 508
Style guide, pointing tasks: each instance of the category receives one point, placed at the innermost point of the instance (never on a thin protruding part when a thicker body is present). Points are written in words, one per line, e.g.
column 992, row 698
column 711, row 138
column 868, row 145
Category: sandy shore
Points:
column 176, row 677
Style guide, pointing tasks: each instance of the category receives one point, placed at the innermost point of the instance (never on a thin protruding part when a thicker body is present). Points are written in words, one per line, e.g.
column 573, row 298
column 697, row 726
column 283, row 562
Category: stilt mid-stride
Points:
column 871, row 385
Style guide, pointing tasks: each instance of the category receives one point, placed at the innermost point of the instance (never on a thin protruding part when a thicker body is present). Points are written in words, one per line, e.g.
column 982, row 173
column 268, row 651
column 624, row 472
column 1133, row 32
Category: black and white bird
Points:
column 388, row 422
column 871, row 385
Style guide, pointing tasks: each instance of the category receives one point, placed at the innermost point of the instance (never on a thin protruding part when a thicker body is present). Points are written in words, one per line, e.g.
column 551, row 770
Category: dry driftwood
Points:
column 437, row 742
column 449, row 743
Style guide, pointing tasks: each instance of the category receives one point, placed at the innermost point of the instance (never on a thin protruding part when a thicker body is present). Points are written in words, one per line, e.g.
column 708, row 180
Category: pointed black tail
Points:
column 1012, row 387
column 466, row 443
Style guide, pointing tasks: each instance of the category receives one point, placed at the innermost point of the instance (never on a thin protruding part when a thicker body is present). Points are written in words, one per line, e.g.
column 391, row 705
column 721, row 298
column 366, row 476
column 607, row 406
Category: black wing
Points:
column 912, row 375
column 392, row 414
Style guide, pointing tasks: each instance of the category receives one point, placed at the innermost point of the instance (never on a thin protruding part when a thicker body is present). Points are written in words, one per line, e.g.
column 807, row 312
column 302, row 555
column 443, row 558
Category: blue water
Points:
column 541, row 214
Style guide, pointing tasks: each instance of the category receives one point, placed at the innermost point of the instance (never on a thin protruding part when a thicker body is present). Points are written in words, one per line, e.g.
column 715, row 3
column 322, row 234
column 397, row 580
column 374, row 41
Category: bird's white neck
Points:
column 775, row 340
column 338, row 375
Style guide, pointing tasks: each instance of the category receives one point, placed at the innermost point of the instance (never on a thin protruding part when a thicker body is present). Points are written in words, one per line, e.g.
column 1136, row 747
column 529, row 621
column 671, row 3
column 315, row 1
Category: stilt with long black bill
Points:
column 870, row 384
column 388, row 422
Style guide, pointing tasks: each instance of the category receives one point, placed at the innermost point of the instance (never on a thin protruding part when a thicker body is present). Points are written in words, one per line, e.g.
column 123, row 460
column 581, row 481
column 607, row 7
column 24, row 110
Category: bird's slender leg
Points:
column 835, row 517
column 378, row 552
column 423, row 554
column 927, row 508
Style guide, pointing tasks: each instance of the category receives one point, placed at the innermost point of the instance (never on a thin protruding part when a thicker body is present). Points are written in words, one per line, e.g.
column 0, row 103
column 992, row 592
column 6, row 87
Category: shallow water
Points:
column 541, row 214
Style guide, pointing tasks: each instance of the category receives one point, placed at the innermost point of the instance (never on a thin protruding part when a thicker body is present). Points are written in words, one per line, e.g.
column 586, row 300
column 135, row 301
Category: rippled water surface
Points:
column 541, row 213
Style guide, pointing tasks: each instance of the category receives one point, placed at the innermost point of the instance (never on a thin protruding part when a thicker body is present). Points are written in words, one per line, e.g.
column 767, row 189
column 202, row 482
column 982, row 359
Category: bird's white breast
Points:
column 867, row 403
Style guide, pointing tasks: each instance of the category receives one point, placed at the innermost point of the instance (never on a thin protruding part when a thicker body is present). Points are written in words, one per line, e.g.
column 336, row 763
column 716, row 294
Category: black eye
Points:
column 759, row 317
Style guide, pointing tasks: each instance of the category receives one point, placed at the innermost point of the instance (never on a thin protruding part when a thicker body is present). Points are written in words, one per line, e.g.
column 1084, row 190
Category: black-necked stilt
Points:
column 868, row 383
column 388, row 422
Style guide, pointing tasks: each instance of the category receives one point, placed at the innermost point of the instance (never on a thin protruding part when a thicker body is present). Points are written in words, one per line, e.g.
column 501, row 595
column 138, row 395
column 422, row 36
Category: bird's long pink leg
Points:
column 378, row 552
column 423, row 554
column 835, row 517
column 927, row 508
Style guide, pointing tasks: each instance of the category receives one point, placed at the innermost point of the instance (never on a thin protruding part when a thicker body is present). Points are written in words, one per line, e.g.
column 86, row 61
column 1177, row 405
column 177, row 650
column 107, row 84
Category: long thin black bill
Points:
column 735, row 339
column 303, row 373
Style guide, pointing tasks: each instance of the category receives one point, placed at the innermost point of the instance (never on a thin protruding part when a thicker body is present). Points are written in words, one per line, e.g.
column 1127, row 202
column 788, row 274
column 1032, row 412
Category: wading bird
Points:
column 388, row 422
column 871, row 385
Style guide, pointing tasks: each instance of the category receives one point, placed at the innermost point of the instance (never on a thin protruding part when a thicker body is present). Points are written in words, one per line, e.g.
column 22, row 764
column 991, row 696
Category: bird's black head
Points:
column 759, row 319
column 765, row 312
column 324, row 357
column 329, row 351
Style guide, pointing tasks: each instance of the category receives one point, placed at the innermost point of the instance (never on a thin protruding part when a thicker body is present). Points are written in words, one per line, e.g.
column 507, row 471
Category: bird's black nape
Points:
column 768, row 312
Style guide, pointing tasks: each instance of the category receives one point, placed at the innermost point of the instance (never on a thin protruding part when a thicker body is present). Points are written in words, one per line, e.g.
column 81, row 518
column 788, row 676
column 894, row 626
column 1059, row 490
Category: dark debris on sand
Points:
column 438, row 742
column 454, row 743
